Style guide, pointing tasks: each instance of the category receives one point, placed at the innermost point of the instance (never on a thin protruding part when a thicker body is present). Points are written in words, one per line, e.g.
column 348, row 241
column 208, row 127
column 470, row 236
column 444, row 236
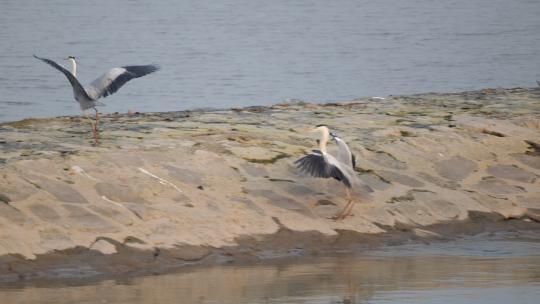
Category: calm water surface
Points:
column 474, row 270
column 242, row 52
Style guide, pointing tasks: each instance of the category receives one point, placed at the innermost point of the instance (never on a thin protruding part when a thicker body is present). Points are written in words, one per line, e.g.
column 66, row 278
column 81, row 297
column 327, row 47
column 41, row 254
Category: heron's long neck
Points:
column 324, row 140
column 73, row 67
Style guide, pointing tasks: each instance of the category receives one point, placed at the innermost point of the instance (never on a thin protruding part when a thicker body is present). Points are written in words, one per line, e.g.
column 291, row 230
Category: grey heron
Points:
column 103, row 86
column 320, row 163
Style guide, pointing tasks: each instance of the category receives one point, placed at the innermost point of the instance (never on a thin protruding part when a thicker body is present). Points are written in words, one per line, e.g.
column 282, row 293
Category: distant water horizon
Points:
column 236, row 53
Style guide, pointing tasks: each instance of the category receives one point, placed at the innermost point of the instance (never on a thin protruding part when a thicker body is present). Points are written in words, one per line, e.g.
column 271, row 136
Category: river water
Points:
column 500, row 268
column 218, row 54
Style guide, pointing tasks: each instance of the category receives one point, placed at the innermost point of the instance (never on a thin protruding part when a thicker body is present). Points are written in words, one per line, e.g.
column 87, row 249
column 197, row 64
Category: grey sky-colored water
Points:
column 241, row 52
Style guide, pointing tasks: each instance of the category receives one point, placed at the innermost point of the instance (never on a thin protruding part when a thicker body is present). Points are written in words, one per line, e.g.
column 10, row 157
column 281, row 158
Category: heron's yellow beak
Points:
column 308, row 130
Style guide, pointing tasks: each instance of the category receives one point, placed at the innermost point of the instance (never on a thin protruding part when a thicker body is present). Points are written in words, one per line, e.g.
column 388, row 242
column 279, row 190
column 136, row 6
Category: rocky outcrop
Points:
column 167, row 189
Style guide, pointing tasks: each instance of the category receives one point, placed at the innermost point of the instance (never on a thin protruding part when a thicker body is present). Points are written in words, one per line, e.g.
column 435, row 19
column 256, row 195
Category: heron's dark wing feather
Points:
column 72, row 79
column 115, row 78
column 353, row 159
column 338, row 174
column 312, row 164
column 316, row 165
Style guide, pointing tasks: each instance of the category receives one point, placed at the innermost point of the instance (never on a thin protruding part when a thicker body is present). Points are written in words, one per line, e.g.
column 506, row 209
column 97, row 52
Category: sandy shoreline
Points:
column 441, row 164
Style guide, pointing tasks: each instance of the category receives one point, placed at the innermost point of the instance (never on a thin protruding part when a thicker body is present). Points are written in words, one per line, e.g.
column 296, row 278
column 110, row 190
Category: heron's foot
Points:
column 340, row 216
column 347, row 211
column 336, row 217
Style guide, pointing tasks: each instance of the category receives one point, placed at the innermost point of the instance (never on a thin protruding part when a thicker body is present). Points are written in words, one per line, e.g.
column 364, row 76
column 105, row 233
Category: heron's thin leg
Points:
column 348, row 208
column 97, row 123
column 94, row 127
column 350, row 205
column 89, row 119
column 97, row 119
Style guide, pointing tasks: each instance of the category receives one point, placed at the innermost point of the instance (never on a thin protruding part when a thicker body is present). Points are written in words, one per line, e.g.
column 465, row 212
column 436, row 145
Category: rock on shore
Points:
column 166, row 189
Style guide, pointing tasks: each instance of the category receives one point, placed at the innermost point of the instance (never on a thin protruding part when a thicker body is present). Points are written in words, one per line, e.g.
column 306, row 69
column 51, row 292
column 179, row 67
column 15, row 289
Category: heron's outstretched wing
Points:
column 77, row 87
column 115, row 78
column 344, row 154
column 317, row 165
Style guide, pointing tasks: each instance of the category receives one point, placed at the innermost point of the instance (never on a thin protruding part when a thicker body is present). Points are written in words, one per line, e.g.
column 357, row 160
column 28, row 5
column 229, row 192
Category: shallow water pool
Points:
column 500, row 268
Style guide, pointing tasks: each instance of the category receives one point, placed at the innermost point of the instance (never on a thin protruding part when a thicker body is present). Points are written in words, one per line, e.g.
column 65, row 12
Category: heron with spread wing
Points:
column 103, row 86
column 320, row 163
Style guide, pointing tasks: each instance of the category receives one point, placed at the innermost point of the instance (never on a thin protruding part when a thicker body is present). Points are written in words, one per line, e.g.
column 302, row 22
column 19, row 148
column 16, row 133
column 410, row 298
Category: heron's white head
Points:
column 318, row 128
column 324, row 133
column 71, row 60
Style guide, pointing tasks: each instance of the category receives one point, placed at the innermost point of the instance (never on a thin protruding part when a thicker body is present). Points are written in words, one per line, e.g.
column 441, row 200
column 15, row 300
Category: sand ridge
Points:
column 178, row 186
